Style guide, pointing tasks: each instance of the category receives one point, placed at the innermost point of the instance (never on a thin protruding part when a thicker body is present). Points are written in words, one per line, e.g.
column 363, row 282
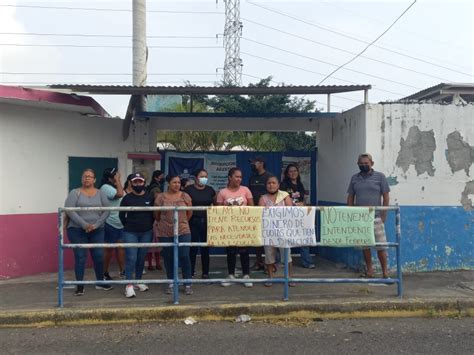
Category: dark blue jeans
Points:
column 79, row 236
column 198, row 227
column 135, row 257
column 184, row 260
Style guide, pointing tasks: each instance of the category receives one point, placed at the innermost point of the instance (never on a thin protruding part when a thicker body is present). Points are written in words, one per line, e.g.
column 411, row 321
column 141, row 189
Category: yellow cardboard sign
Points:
column 234, row 226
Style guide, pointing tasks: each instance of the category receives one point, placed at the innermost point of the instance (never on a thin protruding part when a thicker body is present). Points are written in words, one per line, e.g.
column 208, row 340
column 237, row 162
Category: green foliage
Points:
column 255, row 104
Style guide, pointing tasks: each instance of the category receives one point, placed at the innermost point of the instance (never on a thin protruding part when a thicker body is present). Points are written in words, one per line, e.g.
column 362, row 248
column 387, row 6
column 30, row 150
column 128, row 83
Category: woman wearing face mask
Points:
column 201, row 195
column 274, row 198
column 236, row 195
column 157, row 182
column 292, row 184
column 137, row 228
column 165, row 231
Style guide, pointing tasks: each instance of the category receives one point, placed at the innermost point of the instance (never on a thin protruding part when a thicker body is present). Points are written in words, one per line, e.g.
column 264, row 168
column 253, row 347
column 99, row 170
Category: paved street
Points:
column 373, row 336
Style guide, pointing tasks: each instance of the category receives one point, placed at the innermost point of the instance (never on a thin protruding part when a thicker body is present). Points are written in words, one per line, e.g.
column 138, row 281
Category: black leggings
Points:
column 198, row 227
column 232, row 259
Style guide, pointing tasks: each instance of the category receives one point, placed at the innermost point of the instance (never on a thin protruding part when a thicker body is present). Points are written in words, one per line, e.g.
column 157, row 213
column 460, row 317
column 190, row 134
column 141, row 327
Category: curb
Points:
column 279, row 311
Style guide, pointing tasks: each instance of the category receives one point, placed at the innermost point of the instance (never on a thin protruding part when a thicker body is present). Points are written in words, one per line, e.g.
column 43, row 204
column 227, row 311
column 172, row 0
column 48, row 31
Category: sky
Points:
column 295, row 42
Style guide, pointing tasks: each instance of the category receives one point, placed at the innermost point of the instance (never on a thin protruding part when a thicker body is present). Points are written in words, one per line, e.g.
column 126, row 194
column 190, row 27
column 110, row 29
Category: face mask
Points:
column 254, row 168
column 138, row 189
column 364, row 168
column 203, row 180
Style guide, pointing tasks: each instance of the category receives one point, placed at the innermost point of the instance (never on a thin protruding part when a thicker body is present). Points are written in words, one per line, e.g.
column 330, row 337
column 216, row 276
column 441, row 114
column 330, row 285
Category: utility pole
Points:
column 143, row 140
column 232, row 32
column 139, row 43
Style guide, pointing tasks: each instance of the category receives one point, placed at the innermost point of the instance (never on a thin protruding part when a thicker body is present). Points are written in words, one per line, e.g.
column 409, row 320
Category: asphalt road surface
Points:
column 370, row 336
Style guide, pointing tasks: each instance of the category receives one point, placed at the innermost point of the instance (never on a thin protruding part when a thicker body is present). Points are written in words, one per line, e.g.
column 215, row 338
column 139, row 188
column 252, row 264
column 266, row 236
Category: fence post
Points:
column 175, row 256
column 398, row 233
column 286, row 286
column 60, row 259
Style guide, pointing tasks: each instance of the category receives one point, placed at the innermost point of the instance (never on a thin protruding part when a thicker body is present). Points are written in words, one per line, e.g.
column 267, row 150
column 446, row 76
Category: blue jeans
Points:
column 306, row 258
column 135, row 257
column 79, row 236
column 184, row 261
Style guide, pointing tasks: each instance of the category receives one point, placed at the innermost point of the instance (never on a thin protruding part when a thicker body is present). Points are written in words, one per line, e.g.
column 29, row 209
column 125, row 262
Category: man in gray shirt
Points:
column 370, row 188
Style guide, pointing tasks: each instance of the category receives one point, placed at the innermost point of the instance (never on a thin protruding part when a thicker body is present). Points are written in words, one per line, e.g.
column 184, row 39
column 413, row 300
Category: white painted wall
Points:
column 34, row 148
column 445, row 187
column 340, row 141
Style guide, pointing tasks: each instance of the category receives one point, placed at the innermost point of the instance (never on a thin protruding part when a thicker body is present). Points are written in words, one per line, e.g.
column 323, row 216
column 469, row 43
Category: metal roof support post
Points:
column 329, row 103
column 366, row 97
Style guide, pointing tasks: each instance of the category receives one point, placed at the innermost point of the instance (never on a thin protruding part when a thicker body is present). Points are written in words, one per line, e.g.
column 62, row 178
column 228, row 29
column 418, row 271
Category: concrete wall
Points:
column 339, row 142
column 34, row 148
column 426, row 151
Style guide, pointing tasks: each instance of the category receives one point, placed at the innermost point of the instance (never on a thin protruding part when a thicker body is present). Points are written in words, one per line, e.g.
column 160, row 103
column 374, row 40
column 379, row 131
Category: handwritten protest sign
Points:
column 234, row 226
column 347, row 226
column 288, row 226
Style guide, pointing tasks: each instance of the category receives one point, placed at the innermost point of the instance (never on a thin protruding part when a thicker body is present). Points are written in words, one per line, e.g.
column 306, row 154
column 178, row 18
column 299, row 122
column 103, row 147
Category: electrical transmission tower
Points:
column 232, row 32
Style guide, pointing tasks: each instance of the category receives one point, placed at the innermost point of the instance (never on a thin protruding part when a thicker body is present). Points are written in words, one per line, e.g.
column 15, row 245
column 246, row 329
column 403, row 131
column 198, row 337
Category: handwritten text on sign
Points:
column 234, row 226
column 347, row 226
column 289, row 226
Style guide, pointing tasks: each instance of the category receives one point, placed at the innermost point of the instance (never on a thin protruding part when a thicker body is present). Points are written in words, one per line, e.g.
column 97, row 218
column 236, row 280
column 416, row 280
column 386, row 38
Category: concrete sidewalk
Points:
column 33, row 300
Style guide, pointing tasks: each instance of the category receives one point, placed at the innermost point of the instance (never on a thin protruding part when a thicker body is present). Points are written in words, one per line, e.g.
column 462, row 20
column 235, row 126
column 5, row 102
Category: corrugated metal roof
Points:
column 206, row 90
column 443, row 91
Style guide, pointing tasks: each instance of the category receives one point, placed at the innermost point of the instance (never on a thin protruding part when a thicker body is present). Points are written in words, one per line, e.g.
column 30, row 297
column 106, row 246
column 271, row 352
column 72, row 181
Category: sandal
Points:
column 268, row 284
column 366, row 275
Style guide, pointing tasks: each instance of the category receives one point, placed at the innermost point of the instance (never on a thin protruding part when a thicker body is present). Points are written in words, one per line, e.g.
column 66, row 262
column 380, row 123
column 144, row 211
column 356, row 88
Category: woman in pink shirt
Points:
column 236, row 195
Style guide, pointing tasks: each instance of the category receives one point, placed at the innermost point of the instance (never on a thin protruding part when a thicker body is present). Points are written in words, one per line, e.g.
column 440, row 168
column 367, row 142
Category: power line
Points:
column 102, row 74
column 278, row 83
column 102, row 46
column 370, row 44
column 359, row 14
column 354, row 38
column 110, row 10
column 331, row 64
column 314, row 72
column 346, row 51
column 86, row 35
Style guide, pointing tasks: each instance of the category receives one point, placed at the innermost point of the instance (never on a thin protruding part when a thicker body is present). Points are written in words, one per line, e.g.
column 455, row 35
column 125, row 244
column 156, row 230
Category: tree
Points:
column 256, row 104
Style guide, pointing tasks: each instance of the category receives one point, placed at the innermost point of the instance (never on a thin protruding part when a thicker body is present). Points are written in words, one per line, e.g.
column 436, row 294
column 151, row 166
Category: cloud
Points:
column 23, row 59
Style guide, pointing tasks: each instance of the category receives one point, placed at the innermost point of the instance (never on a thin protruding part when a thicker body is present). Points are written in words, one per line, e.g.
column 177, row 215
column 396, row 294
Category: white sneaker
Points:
column 144, row 271
column 129, row 291
column 169, row 289
column 226, row 284
column 247, row 284
column 141, row 287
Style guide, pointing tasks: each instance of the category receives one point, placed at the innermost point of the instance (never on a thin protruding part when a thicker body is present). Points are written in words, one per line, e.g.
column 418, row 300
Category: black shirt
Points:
column 296, row 191
column 199, row 197
column 258, row 186
column 137, row 221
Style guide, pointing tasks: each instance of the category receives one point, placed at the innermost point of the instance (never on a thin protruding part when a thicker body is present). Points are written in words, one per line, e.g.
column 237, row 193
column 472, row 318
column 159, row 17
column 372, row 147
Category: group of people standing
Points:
column 264, row 189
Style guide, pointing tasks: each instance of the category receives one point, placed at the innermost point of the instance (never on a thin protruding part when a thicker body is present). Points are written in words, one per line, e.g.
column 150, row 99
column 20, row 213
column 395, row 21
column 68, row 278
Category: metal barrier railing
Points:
column 286, row 280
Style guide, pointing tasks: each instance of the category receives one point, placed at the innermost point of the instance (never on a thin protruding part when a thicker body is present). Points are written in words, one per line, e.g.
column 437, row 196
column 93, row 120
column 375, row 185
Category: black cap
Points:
column 259, row 158
column 137, row 176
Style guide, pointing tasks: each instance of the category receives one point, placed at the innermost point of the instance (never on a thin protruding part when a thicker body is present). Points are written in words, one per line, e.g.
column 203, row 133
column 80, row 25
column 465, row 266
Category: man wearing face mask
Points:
column 201, row 195
column 137, row 228
column 370, row 188
column 258, row 188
